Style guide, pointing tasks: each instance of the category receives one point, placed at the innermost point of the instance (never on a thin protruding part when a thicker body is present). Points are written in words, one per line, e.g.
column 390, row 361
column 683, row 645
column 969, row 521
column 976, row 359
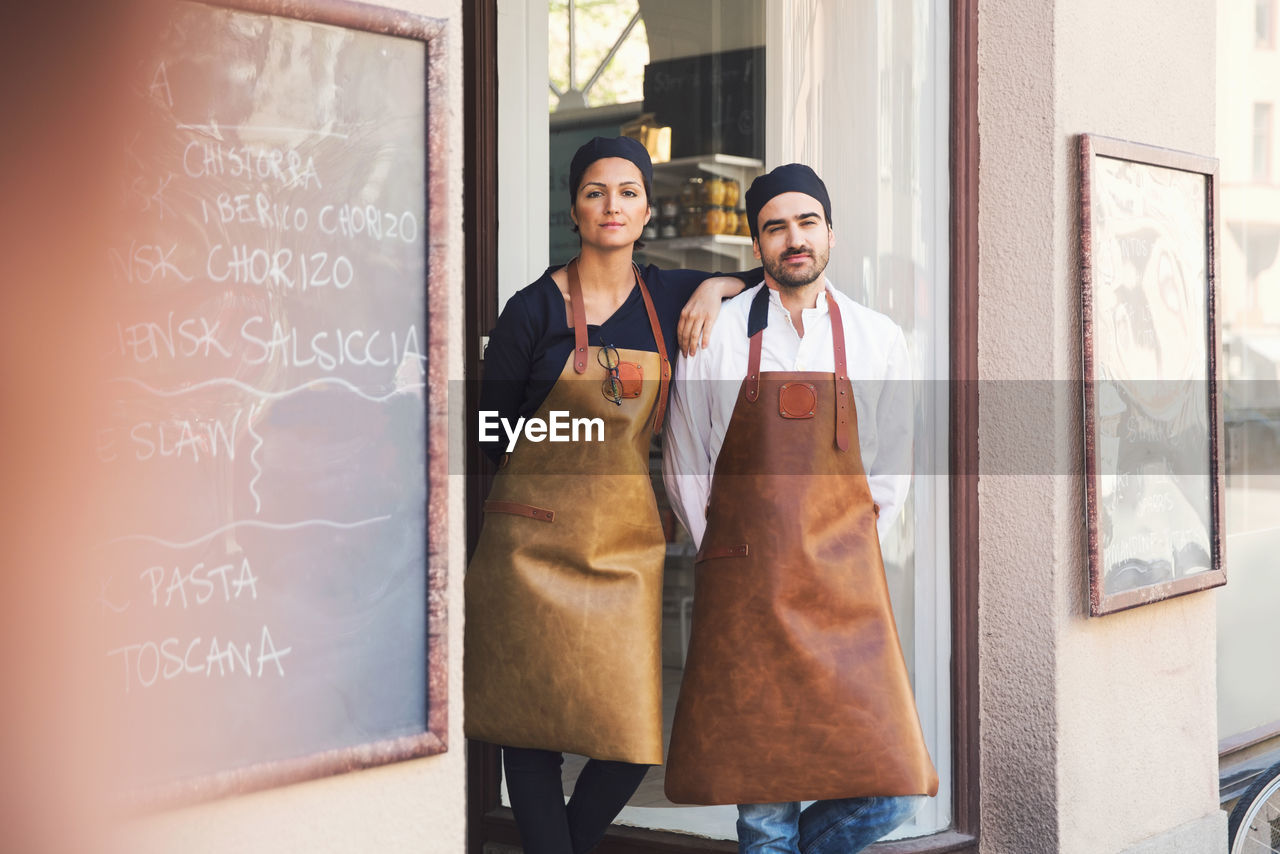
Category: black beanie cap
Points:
column 788, row 178
column 600, row 147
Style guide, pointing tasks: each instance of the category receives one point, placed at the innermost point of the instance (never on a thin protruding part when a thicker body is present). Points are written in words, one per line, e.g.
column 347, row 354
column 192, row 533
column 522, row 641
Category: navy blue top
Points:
column 529, row 347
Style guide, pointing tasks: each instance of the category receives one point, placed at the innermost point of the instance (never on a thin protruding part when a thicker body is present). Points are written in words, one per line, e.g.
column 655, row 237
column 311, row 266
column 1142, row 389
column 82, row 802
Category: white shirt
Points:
column 706, row 390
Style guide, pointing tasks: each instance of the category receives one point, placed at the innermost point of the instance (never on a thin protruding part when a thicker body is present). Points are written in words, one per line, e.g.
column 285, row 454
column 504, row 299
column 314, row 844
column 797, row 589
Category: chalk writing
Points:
column 328, row 349
column 231, row 582
column 286, row 167
column 147, row 341
column 108, row 604
column 147, row 193
column 368, row 220
column 148, row 662
column 312, row 385
column 159, row 88
column 104, row 445
column 247, row 523
column 181, row 438
column 143, row 262
column 245, row 265
column 257, row 209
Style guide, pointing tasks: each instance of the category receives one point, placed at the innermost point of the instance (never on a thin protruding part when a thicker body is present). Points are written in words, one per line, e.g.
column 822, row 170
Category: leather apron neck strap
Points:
column 579, row 309
column 758, row 320
column 580, row 336
column 664, row 380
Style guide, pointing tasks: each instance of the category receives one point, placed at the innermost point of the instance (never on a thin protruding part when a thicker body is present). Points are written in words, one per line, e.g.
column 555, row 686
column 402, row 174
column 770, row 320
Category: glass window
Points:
column 1264, row 16
column 1262, row 143
column 859, row 91
column 1249, row 305
column 598, row 51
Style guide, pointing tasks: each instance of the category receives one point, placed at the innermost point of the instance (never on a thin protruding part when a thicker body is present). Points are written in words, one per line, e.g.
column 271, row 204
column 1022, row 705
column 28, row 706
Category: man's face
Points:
column 795, row 241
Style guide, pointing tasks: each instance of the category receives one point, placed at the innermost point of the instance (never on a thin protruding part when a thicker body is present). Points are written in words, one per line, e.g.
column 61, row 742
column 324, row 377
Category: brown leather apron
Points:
column 795, row 687
column 564, row 592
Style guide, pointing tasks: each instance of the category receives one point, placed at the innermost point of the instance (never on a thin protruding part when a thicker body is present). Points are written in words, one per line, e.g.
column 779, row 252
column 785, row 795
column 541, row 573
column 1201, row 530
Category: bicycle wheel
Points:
column 1254, row 827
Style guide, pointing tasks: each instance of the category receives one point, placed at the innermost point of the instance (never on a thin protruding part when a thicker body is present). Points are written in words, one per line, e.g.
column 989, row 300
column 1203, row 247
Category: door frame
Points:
column 487, row 820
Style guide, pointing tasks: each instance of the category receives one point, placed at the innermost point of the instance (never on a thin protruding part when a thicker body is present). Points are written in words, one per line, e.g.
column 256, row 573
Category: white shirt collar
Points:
column 775, row 300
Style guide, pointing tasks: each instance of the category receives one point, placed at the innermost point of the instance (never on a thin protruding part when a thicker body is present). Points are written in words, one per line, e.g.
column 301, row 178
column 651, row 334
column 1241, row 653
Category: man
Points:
column 788, row 452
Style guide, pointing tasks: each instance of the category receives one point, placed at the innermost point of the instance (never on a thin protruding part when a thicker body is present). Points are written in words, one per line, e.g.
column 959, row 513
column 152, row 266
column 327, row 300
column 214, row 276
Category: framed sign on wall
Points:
column 272, row 562
column 1152, row 404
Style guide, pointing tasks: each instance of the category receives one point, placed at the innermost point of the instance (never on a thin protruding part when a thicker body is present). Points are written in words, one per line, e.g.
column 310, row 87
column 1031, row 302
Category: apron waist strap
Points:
column 516, row 508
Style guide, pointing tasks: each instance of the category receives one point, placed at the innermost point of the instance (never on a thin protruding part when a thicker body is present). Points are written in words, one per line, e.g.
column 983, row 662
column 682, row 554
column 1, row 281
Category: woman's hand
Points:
column 701, row 311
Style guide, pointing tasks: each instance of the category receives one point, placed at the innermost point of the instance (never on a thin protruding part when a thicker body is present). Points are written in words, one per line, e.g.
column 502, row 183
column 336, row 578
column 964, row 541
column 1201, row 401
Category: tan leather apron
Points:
column 564, row 592
column 795, row 687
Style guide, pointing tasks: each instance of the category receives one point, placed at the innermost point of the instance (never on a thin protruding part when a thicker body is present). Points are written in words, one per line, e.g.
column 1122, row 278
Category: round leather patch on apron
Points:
column 631, row 377
column 797, row 400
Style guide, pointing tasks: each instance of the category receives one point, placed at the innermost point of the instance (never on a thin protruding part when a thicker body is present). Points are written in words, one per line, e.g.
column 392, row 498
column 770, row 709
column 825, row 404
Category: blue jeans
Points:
column 842, row 826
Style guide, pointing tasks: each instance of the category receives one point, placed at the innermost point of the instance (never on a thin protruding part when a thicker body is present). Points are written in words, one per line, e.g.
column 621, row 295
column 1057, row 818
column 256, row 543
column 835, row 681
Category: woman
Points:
column 564, row 593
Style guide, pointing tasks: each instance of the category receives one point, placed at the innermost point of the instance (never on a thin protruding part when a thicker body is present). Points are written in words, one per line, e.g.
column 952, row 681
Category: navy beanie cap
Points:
column 789, row 178
column 601, row 147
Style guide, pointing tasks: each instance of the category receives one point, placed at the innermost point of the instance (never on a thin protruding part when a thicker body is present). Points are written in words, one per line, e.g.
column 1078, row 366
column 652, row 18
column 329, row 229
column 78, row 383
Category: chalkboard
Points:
column 271, row 564
column 1153, row 413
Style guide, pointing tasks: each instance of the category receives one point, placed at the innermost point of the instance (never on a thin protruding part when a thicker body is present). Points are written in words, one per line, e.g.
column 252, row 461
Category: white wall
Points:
column 1098, row 735
column 523, row 145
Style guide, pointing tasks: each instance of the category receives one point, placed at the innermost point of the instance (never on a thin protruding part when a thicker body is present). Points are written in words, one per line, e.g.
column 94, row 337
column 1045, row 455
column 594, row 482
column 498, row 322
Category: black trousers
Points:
column 548, row 825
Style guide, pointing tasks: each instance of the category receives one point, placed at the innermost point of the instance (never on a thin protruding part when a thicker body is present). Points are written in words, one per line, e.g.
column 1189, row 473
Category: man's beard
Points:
column 789, row 277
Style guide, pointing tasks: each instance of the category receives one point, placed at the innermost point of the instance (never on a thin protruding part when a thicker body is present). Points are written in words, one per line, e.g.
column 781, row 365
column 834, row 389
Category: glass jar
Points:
column 713, row 191
column 691, row 221
column 670, row 228
column 744, row 224
column 691, row 192
column 730, row 221
column 732, row 190
column 669, row 207
column 713, row 220
column 650, row 231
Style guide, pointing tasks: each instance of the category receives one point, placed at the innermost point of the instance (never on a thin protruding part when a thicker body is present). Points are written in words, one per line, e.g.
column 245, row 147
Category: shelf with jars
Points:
column 698, row 207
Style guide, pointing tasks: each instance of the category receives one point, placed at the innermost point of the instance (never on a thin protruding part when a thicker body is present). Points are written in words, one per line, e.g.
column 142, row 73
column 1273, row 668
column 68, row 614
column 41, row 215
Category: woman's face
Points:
column 611, row 208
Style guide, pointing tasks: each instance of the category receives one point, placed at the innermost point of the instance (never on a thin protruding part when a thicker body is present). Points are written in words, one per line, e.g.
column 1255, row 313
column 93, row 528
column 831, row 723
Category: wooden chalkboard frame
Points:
column 438, row 131
column 1092, row 147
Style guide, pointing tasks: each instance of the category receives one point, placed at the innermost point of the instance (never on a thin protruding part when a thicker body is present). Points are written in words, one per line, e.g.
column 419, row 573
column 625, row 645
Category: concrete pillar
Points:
column 1098, row 734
